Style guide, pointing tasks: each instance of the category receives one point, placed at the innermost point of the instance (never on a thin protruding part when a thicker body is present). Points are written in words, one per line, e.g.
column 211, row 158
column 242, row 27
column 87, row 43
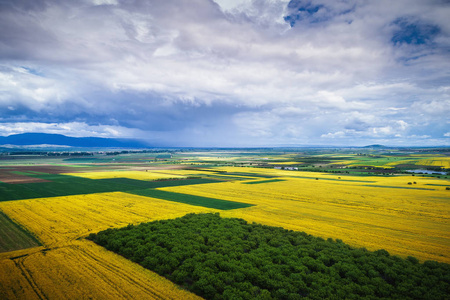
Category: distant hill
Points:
column 25, row 139
column 376, row 147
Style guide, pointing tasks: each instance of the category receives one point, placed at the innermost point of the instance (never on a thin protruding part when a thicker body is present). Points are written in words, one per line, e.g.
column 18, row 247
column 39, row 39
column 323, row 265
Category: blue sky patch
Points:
column 299, row 10
column 33, row 71
column 413, row 33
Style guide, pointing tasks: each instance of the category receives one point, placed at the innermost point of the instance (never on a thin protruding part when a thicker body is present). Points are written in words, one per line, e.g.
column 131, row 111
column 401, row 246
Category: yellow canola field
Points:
column 372, row 212
column 189, row 172
column 434, row 161
column 443, row 162
column 386, row 214
column 82, row 270
column 67, row 268
column 342, row 162
column 138, row 175
column 285, row 163
column 58, row 220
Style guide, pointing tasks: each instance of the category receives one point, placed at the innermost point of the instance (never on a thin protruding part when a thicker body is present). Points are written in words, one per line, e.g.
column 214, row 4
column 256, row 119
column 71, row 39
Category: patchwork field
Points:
column 377, row 212
column 82, row 270
column 59, row 220
column 68, row 268
column 54, row 185
column 13, row 236
column 138, row 175
column 59, row 206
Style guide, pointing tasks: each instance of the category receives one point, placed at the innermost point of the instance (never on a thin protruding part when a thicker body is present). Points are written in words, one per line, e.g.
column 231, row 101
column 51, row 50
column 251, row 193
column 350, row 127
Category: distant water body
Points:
column 426, row 172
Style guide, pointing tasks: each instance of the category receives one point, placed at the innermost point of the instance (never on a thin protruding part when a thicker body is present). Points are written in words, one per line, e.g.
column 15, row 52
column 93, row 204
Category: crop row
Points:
column 82, row 270
column 405, row 221
column 69, row 268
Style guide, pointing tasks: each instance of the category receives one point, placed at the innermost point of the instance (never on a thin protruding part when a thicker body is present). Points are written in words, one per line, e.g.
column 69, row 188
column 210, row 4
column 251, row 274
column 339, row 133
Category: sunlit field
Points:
column 63, row 219
column 138, row 175
column 371, row 212
column 405, row 214
column 82, row 270
column 71, row 268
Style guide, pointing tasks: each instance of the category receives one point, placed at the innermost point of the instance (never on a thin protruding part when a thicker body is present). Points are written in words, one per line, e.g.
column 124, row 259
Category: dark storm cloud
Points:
column 227, row 73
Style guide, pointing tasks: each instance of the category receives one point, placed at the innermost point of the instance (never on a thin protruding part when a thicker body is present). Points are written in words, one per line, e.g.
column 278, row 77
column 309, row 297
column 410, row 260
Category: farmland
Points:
column 228, row 258
column 60, row 222
column 367, row 213
column 13, row 236
column 364, row 198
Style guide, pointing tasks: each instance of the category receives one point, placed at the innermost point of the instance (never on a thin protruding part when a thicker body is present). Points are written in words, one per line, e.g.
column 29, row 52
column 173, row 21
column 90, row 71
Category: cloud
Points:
column 395, row 129
column 419, row 137
column 73, row 129
column 254, row 71
column 432, row 108
column 257, row 124
column 24, row 86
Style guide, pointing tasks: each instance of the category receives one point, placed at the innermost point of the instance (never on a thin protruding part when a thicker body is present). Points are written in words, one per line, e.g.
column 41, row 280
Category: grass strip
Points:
column 330, row 179
column 398, row 187
column 21, row 173
column 263, row 181
column 191, row 199
column 249, row 174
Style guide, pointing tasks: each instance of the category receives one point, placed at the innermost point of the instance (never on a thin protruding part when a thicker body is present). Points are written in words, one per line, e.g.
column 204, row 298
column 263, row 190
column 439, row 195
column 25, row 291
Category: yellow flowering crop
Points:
column 381, row 213
column 138, row 175
column 82, row 270
column 406, row 215
column 72, row 269
column 443, row 162
column 13, row 284
column 61, row 219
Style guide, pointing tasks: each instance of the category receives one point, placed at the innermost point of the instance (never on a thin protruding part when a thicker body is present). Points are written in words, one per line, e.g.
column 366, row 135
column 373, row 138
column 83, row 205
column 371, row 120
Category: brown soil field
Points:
column 52, row 169
column 7, row 176
column 17, row 179
column 128, row 167
column 37, row 168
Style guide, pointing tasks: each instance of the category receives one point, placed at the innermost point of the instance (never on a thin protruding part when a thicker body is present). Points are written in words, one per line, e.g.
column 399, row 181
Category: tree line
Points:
column 228, row 258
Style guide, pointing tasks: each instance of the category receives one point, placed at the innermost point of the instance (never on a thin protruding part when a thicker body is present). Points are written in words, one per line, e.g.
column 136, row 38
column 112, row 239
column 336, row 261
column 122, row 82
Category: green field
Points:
column 191, row 199
column 13, row 237
column 64, row 185
column 263, row 181
column 249, row 174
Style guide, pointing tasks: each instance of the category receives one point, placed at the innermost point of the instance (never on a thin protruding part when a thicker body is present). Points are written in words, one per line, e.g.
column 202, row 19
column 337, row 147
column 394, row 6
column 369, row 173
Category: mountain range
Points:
column 26, row 139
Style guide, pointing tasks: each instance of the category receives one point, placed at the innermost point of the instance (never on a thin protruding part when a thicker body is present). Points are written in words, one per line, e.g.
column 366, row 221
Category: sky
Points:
column 228, row 73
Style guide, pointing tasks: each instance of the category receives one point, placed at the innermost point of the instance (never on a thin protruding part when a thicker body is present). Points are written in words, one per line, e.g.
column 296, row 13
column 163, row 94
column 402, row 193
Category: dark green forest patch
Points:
column 14, row 237
column 223, row 258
